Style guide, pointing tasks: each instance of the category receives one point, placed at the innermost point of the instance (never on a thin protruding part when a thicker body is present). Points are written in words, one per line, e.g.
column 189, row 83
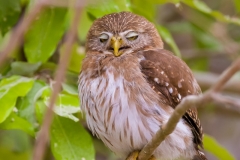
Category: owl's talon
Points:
column 133, row 155
column 152, row 158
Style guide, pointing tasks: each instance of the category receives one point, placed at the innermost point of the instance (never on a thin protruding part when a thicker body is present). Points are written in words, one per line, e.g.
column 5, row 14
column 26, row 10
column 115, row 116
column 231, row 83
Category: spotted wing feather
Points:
column 172, row 79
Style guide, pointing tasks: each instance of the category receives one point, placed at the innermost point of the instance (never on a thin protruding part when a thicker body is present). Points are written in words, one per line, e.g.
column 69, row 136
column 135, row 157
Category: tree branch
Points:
column 187, row 103
column 226, row 76
column 43, row 136
column 66, row 3
column 206, row 80
column 229, row 102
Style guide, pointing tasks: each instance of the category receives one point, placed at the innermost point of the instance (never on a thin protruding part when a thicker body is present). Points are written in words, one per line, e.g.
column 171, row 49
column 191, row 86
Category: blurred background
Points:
column 205, row 34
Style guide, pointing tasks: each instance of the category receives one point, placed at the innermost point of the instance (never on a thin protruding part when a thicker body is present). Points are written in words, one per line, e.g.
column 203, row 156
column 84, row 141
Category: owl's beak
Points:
column 116, row 42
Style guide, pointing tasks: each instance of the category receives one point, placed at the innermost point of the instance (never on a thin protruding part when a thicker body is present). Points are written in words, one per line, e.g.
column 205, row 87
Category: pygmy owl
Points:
column 129, row 86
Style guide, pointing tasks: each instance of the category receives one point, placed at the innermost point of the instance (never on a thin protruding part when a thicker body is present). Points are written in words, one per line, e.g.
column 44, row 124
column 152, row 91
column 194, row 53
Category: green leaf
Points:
column 103, row 7
column 9, row 14
column 10, row 89
column 199, row 64
column 202, row 7
column 42, row 95
column 24, row 68
column 44, row 35
column 24, row 2
column 70, row 89
column 147, row 8
column 77, row 55
column 40, row 110
column 15, row 122
column 26, row 105
column 7, row 153
column 4, row 69
column 139, row 7
column 237, row 5
column 212, row 146
column 69, row 140
column 167, row 37
column 66, row 106
column 83, row 29
column 205, row 40
column 15, row 145
column 164, row 1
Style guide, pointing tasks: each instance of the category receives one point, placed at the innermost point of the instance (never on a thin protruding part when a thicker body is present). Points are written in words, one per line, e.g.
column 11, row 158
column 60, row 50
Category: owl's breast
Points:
column 124, row 111
column 116, row 109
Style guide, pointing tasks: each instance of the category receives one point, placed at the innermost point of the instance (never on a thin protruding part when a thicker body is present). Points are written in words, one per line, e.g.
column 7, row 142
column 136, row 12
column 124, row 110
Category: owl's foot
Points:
column 152, row 158
column 134, row 156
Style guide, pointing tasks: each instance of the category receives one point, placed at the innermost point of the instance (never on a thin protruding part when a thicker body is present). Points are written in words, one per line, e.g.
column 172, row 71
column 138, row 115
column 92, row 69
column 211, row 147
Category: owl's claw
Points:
column 152, row 158
column 134, row 156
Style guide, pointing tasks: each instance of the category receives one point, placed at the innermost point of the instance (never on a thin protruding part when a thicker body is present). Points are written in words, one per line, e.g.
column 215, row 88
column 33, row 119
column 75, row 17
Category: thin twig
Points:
column 64, row 3
column 206, row 80
column 43, row 136
column 226, row 75
column 229, row 102
column 17, row 34
column 187, row 103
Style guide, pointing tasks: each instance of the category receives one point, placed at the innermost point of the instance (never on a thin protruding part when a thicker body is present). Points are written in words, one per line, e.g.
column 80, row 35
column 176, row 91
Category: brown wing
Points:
column 172, row 79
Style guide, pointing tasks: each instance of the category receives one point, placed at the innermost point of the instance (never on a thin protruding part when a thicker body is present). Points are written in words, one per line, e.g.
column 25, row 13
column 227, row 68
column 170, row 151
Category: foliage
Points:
column 10, row 12
column 49, row 24
column 216, row 149
column 26, row 79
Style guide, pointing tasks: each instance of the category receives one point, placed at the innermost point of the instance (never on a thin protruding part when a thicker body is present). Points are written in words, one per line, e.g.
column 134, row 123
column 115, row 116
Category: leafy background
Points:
column 206, row 34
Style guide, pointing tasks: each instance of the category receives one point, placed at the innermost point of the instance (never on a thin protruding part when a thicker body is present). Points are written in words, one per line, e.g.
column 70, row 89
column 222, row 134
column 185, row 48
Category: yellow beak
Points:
column 116, row 42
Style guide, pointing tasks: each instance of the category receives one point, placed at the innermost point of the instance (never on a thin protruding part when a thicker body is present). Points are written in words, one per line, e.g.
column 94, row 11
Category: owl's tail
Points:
column 199, row 156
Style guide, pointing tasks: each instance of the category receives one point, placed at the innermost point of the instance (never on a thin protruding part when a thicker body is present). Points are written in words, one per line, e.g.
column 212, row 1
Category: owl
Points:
column 129, row 86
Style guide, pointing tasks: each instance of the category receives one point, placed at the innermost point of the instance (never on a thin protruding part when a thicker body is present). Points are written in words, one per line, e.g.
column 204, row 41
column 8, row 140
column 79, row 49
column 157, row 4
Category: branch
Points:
column 231, row 103
column 206, row 80
column 66, row 3
column 226, row 76
column 43, row 136
column 187, row 103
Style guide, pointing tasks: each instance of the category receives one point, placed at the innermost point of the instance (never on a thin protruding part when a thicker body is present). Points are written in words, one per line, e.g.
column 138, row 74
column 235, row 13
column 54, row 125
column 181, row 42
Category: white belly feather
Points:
column 112, row 113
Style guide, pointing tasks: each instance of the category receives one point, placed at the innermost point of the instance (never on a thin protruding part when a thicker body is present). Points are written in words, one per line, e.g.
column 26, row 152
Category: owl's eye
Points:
column 103, row 37
column 131, row 36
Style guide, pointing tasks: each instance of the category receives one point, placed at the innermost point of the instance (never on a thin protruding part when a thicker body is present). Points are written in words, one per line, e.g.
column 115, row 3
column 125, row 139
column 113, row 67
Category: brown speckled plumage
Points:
column 160, row 69
column 126, row 97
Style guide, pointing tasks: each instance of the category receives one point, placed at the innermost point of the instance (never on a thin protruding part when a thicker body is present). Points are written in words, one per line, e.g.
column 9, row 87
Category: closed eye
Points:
column 103, row 37
column 132, row 35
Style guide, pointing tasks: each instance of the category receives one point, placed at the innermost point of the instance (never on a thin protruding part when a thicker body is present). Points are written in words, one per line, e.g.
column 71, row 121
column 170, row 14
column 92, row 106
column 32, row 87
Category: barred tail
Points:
column 199, row 156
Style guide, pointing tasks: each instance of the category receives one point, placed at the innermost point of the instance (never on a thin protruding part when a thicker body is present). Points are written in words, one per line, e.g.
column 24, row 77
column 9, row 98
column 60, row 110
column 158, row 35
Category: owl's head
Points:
column 122, row 33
